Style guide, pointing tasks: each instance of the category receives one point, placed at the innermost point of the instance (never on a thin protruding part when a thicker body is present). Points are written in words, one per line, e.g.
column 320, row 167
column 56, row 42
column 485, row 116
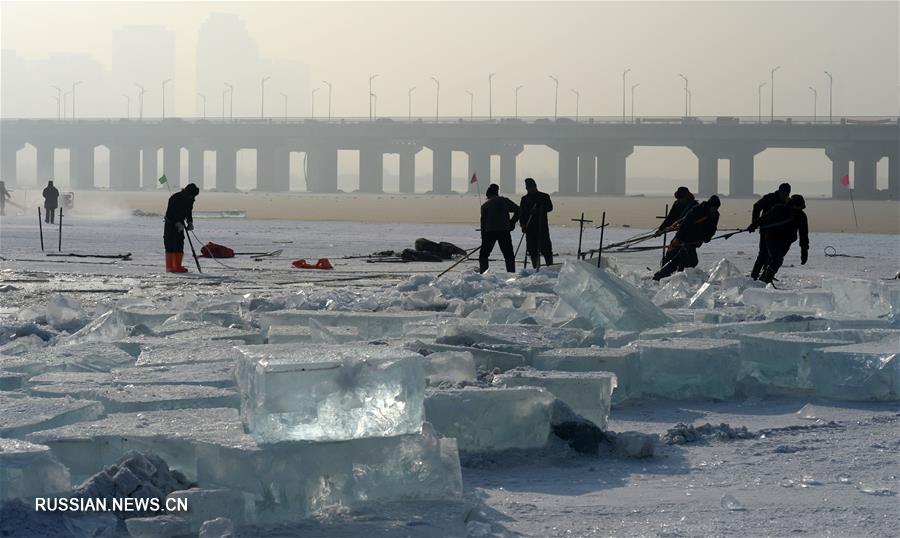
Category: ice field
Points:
column 378, row 399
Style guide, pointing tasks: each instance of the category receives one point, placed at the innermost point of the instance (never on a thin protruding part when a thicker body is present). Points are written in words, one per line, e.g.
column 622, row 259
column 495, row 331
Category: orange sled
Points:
column 323, row 263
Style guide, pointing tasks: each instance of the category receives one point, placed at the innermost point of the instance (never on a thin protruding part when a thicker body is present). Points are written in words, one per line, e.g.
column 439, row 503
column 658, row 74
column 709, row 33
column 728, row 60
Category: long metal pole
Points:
column 602, row 229
column 686, row 110
column 830, row 94
column 230, row 101
column 409, row 93
column 517, row 100
column 437, row 97
column 772, row 94
column 633, row 86
column 73, row 97
column 624, row 74
column 759, row 102
column 60, row 227
column 41, row 228
column 371, row 78
column 815, row 103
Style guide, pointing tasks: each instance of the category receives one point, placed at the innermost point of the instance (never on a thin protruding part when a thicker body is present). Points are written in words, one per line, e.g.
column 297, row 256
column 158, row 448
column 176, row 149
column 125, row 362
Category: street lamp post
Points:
column 772, row 94
column 519, row 87
column 815, row 103
column 262, row 99
column 555, row 96
column 65, row 103
column 624, row 73
column 127, row 106
column 409, row 93
column 224, row 93
column 686, row 92
column 690, row 95
column 374, row 98
column 759, row 102
column 491, row 96
column 73, row 97
column 329, row 98
column 633, row 86
column 312, row 108
column 830, row 94
column 437, row 97
column 164, row 97
column 285, row 105
column 58, row 100
column 230, row 101
column 371, row 78
column 140, row 101
column 577, row 103
column 471, row 104
column 203, row 98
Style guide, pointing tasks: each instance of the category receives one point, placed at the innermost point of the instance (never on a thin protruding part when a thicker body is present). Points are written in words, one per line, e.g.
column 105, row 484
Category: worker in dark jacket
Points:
column 495, row 227
column 51, row 202
column 684, row 202
column 179, row 217
column 783, row 224
column 760, row 208
column 534, row 208
column 697, row 227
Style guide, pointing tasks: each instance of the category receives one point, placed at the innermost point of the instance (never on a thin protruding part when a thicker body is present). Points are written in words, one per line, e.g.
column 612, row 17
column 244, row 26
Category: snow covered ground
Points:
column 830, row 468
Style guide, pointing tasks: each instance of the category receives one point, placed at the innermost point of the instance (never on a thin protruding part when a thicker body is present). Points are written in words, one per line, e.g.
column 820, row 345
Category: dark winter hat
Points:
column 530, row 181
column 192, row 189
column 492, row 190
column 714, row 201
column 785, row 187
column 682, row 192
column 797, row 201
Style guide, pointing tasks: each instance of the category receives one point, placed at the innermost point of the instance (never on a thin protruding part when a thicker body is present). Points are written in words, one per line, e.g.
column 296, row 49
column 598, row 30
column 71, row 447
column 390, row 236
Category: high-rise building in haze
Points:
column 227, row 53
column 145, row 55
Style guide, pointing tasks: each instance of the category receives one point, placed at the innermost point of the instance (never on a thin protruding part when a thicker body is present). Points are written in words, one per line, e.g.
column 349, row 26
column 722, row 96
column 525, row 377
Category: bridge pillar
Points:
column 321, row 169
column 840, row 167
column 265, row 168
column 864, row 173
column 740, row 180
column 408, row 170
column 441, row 169
column 371, row 169
column 226, row 169
column 124, row 167
column 707, row 170
column 282, row 170
column 196, row 161
column 567, row 171
column 172, row 166
column 894, row 175
column 587, row 174
column 45, row 164
column 149, row 171
column 480, row 165
column 81, row 167
column 611, row 170
column 508, row 157
column 8, row 163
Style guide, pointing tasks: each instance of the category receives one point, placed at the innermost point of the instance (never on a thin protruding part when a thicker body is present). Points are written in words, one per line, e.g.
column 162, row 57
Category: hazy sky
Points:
column 724, row 48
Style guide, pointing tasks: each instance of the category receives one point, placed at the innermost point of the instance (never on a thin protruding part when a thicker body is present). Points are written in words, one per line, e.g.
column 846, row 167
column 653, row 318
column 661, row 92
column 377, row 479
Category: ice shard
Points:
column 606, row 300
column 330, row 392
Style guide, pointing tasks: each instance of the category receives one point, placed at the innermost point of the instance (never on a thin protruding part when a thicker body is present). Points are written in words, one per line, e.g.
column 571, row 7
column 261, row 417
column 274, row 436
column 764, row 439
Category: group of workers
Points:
column 778, row 216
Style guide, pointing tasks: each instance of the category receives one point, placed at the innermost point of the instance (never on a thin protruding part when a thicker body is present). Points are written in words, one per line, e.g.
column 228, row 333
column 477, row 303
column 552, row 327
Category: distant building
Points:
column 144, row 55
column 227, row 53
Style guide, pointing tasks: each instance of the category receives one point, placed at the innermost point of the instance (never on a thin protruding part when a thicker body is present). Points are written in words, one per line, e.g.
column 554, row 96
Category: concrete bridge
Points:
column 592, row 153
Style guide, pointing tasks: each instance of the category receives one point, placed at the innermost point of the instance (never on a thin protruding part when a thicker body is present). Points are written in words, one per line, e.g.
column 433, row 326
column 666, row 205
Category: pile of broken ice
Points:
column 336, row 396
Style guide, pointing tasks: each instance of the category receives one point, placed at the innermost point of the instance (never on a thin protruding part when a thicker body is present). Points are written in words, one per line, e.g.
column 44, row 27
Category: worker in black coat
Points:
column 684, row 202
column 534, row 208
column 784, row 224
column 697, row 227
column 761, row 206
column 496, row 224
column 179, row 218
column 51, row 202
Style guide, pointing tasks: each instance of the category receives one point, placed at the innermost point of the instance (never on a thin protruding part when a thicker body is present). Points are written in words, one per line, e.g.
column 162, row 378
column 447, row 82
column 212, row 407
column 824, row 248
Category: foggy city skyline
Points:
column 725, row 49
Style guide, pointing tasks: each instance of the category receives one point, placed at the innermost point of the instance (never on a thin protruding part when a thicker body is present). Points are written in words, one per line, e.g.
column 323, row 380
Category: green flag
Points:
column 163, row 179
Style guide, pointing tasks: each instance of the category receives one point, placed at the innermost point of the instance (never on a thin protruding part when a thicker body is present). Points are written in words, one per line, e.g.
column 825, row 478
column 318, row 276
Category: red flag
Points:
column 845, row 180
column 474, row 179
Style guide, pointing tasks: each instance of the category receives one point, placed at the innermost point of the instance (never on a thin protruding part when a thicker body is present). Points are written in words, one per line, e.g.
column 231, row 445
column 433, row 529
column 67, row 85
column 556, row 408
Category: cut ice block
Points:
column 869, row 298
column 213, row 374
column 606, row 300
column 526, row 340
column 65, row 313
column 292, row 480
column 22, row 415
column 623, row 362
column 330, row 393
column 186, row 353
column 485, row 359
column 11, row 380
column 106, row 328
column 28, row 470
column 149, row 315
column 322, row 334
column 858, row 372
column 453, row 367
column 371, row 325
column 488, row 420
column 86, row 447
column 729, row 330
column 780, row 361
column 288, row 334
column 766, row 299
column 857, row 336
column 685, row 368
column 134, row 398
column 91, row 357
column 588, row 393
column 216, row 333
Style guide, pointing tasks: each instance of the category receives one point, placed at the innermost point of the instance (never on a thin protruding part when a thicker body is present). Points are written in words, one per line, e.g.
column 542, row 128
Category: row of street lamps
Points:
column 373, row 98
